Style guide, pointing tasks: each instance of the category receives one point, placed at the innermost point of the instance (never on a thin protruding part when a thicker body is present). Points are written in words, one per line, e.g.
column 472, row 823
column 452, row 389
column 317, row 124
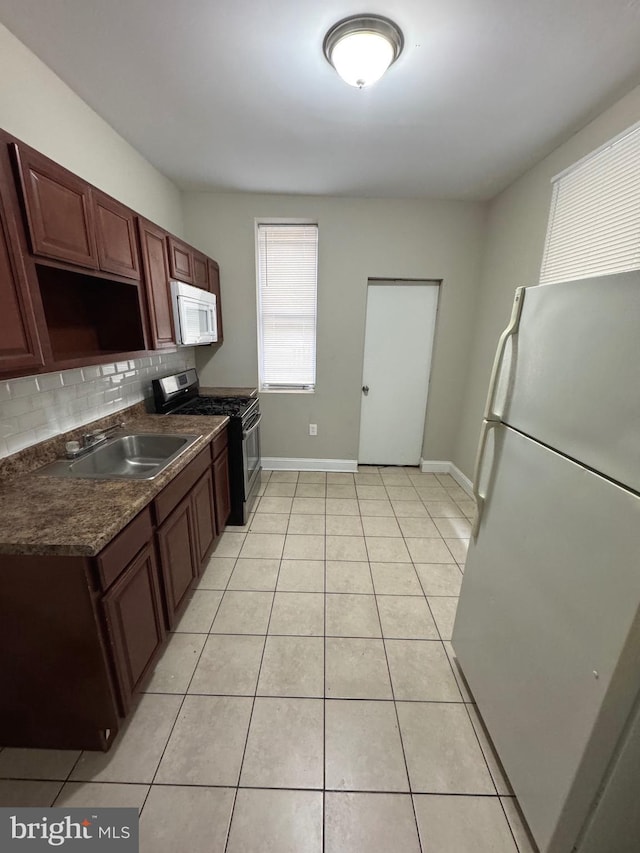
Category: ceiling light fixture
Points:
column 362, row 47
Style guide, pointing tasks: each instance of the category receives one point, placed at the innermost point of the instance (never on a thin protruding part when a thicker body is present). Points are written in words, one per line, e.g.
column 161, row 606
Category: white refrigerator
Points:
column 547, row 631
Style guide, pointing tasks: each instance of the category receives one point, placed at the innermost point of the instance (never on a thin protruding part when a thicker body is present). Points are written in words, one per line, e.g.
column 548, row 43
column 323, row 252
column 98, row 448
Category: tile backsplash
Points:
column 34, row 408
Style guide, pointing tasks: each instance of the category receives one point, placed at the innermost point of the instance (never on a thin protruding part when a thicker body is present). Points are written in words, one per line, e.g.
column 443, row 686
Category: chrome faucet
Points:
column 90, row 440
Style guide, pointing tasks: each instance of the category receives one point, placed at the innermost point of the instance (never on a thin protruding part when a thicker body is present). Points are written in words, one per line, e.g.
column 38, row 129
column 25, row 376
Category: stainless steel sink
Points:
column 133, row 456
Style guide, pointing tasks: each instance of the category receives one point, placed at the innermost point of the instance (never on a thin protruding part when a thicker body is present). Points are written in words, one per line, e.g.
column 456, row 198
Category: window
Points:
column 594, row 223
column 287, row 287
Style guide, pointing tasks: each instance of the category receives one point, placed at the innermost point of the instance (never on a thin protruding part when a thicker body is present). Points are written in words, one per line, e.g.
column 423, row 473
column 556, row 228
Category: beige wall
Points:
column 37, row 107
column 359, row 238
column 516, row 229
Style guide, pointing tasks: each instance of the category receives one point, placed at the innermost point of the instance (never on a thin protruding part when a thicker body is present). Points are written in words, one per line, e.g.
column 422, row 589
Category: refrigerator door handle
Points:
column 487, row 426
column 512, row 329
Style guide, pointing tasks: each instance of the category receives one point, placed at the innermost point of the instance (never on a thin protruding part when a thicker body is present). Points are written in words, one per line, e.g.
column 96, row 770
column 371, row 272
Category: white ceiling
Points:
column 236, row 94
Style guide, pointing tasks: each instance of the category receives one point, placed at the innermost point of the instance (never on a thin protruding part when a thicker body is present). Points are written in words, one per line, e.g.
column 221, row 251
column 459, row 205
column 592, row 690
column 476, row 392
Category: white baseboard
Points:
column 462, row 480
column 280, row 463
column 435, row 467
column 445, row 467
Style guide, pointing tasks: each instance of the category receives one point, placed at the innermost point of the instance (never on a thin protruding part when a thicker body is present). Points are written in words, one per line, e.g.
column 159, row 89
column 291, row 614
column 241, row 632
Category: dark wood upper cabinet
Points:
column 83, row 278
column 116, row 236
column 214, row 287
column 180, row 260
column 155, row 267
column 58, row 208
column 20, row 347
column 200, row 270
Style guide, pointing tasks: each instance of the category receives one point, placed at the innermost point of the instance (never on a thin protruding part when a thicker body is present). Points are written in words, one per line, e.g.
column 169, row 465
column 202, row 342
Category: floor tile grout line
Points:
column 236, row 791
column 244, row 534
column 338, row 636
column 463, row 702
column 395, row 709
column 253, row 705
column 186, row 692
column 477, row 737
column 433, row 619
column 429, row 792
column 329, row 698
column 329, row 592
column 513, row 835
column 443, row 641
column 184, row 696
column 324, row 695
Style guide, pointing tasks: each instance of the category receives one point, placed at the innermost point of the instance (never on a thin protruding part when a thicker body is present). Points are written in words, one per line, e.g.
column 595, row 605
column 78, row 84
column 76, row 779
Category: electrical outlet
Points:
column 313, row 429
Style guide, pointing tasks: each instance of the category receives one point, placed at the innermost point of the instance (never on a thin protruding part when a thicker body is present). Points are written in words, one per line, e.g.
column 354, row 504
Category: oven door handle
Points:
column 254, row 426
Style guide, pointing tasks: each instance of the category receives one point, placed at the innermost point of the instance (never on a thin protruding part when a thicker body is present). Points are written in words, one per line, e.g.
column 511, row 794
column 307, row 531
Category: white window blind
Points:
column 594, row 223
column 287, row 290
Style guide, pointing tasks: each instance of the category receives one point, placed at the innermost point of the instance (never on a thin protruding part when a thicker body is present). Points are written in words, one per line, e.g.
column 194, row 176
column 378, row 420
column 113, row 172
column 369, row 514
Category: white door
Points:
column 400, row 327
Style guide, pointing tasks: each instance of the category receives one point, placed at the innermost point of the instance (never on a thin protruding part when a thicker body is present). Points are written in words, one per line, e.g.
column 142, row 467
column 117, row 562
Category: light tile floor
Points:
column 308, row 699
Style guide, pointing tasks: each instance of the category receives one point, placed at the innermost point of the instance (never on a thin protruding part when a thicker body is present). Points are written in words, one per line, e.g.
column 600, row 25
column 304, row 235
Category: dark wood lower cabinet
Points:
column 57, row 684
column 204, row 519
column 177, row 557
column 135, row 622
column 79, row 635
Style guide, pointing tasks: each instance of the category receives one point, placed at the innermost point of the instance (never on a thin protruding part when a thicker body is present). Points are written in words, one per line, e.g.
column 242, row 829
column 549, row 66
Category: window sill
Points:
column 287, row 390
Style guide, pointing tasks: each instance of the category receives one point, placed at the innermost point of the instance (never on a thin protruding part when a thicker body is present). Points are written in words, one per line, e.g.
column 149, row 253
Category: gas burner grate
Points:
column 233, row 406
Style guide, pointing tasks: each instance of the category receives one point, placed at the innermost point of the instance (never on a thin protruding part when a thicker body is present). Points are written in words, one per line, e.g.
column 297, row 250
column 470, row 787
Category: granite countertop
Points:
column 41, row 514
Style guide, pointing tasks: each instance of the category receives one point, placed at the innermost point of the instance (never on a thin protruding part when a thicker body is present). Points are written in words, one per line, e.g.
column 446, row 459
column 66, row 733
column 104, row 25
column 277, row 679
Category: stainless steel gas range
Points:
column 179, row 394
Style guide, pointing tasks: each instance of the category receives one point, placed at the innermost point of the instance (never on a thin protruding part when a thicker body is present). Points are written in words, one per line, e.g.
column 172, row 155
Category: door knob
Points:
column 365, row 390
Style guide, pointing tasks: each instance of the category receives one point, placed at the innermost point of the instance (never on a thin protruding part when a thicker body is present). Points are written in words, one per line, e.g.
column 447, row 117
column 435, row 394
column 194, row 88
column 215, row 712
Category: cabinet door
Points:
column 200, row 271
column 116, row 237
column 59, row 209
column 177, row 556
column 203, row 516
column 222, row 492
column 180, row 260
column 214, row 287
column 134, row 618
column 19, row 343
column 155, row 266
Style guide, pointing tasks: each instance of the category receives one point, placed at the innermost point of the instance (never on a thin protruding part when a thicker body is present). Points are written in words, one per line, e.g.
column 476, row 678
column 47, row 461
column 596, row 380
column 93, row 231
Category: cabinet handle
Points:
column 365, row 390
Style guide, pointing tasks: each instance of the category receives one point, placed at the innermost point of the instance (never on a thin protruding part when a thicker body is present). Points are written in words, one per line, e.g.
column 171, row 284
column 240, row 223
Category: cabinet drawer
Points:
column 171, row 496
column 220, row 441
column 113, row 559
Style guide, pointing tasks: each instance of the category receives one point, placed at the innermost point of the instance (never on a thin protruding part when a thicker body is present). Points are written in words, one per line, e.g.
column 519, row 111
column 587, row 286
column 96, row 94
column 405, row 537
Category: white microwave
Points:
column 194, row 315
